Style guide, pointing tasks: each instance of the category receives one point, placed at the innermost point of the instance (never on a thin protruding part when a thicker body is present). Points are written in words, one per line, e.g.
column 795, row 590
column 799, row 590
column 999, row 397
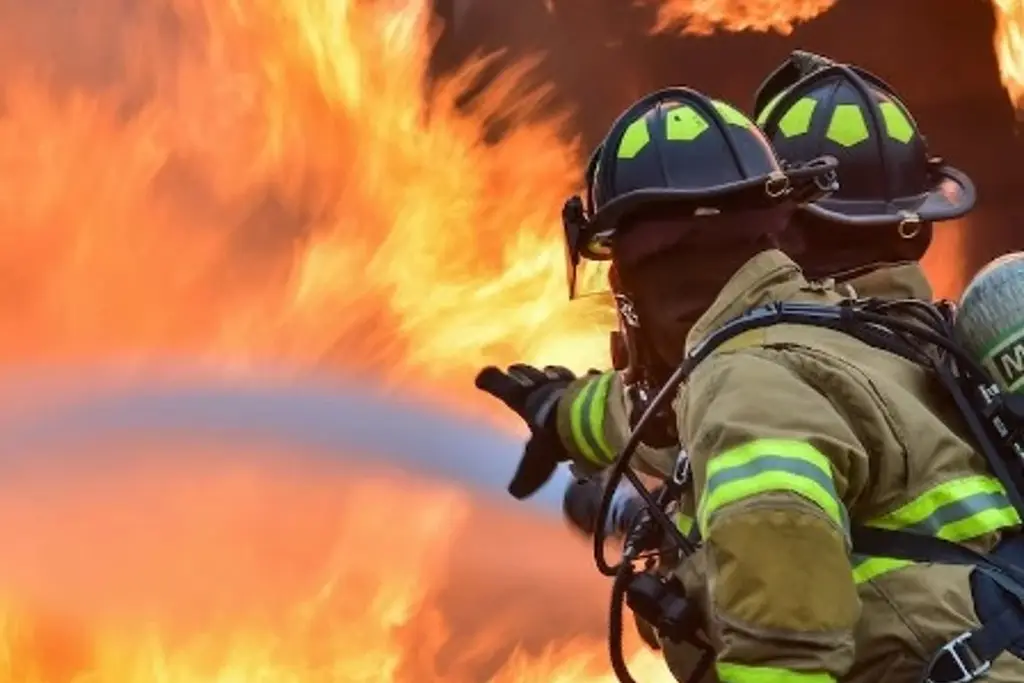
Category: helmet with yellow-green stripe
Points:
column 811, row 105
column 679, row 150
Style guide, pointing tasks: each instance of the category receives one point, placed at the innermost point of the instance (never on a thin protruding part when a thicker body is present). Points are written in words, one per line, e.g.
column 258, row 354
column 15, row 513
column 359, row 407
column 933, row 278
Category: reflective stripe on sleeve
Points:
column 587, row 416
column 956, row 510
column 770, row 465
column 867, row 568
column 738, row 673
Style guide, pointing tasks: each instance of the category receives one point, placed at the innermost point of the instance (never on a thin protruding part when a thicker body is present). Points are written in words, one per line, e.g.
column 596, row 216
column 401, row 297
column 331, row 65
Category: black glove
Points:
column 581, row 502
column 533, row 394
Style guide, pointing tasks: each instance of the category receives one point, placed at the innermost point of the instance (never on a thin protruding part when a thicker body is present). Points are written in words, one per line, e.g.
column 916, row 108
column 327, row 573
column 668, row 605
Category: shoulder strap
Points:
column 903, row 545
column 779, row 333
column 968, row 656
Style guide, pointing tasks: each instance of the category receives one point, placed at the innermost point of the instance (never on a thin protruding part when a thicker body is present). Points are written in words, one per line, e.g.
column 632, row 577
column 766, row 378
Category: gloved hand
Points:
column 533, row 394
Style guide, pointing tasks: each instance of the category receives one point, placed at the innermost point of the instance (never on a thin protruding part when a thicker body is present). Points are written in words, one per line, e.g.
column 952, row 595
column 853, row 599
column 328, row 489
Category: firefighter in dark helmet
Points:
column 674, row 153
column 873, row 231
column 793, row 432
column 650, row 184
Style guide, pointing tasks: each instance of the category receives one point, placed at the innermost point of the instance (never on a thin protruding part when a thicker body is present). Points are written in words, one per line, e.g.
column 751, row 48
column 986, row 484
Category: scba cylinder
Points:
column 990, row 320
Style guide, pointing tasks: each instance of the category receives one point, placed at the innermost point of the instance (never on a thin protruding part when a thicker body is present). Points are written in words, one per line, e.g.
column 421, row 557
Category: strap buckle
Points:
column 682, row 472
column 957, row 658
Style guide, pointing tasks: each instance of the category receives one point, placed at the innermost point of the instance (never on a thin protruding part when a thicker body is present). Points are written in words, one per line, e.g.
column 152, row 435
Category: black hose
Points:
column 619, row 470
column 615, row 629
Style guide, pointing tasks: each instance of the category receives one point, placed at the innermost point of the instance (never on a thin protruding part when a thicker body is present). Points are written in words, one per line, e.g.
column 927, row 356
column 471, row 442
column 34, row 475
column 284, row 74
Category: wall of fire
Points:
column 939, row 56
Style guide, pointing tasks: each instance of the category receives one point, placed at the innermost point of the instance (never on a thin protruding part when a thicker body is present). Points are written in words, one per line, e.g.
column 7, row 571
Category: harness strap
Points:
column 968, row 656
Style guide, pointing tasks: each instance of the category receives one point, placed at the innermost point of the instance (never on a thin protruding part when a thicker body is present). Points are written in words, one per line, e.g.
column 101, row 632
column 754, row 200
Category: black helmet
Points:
column 677, row 148
column 811, row 105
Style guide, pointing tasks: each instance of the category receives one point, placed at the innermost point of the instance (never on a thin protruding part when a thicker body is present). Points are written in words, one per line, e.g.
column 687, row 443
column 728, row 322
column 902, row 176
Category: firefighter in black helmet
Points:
column 686, row 199
column 874, row 230
column 682, row 191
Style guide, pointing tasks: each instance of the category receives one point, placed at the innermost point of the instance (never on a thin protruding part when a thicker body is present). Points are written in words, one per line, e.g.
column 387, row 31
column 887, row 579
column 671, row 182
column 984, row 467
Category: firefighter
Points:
column 872, row 232
column 793, row 432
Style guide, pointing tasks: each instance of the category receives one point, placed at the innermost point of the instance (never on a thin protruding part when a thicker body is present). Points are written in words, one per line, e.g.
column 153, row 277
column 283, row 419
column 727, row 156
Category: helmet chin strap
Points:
column 629, row 327
column 642, row 381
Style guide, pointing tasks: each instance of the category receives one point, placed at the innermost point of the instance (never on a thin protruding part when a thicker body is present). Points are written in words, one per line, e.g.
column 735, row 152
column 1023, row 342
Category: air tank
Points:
column 990, row 320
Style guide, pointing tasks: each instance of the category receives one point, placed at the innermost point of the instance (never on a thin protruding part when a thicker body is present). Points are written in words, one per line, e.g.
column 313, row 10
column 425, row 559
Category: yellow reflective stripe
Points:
column 684, row 523
column 956, row 510
column 598, row 411
column 867, row 568
column 740, row 673
column 586, row 420
column 770, row 465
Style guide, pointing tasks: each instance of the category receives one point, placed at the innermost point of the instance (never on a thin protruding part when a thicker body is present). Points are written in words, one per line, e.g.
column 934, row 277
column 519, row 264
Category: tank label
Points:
column 1006, row 362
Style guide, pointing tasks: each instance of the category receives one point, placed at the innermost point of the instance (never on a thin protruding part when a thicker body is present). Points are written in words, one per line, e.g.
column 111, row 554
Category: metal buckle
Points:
column 910, row 225
column 777, row 185
column 963, row 658
column 682, row 472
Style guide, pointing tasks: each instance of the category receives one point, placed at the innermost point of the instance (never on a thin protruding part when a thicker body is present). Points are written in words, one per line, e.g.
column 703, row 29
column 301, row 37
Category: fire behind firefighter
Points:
column 793, row 433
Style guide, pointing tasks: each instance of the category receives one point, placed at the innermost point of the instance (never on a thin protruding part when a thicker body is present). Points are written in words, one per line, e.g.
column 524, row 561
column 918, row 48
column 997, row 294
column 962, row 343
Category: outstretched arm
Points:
column 593, row 424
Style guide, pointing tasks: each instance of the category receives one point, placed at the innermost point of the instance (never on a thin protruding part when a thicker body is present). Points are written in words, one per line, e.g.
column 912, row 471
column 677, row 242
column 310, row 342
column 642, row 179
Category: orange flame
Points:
column 1009, row 47
column 288, row 191
column 276, row 582
column 274, row 180
column 268, row 181
column 702, row 17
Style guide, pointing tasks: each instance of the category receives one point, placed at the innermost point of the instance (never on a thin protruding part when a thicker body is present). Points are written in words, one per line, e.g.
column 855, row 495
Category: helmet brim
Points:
column 953, row 195
column 797, row 184
column 749, row 193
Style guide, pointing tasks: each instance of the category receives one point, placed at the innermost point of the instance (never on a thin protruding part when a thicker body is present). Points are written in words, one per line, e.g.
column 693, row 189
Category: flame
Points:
column 274, row 179
column 702, row 17
column 331, row 602
column 1009, row 47
column 288, row 189
column 269, row 180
